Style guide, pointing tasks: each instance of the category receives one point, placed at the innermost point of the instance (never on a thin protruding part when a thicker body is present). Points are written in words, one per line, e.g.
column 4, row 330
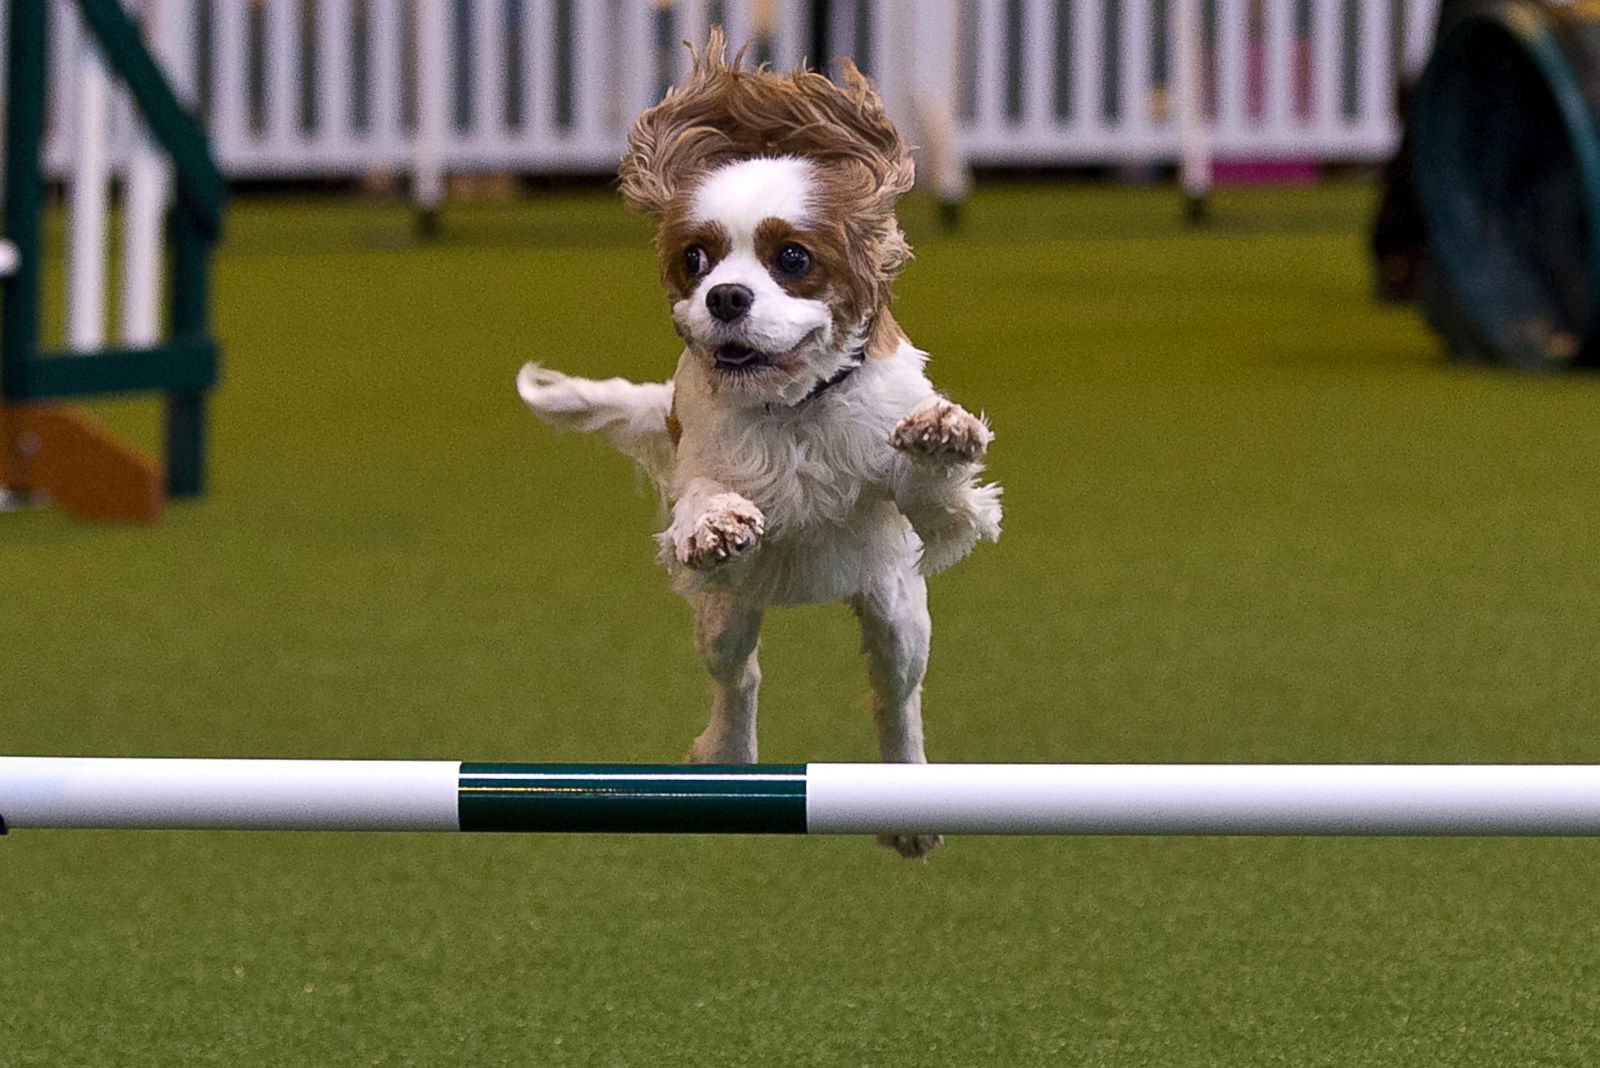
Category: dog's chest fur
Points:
column 822, row 473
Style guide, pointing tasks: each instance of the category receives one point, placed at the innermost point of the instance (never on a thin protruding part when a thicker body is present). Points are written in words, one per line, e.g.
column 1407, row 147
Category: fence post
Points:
column 189, row 303
column 89, row 195
column 185, row 410
column 144, row 199
column 24, row 205
column 1194, row 135
column 918, row 76
column 427, row 176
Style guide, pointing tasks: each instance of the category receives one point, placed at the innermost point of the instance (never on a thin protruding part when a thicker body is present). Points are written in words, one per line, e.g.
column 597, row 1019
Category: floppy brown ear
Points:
column 870, row 122
column 889, row 162
column 644, row 187
column 669, row 140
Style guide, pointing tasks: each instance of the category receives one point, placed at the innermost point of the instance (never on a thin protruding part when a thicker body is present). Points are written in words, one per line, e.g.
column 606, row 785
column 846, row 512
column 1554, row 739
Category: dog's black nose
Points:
column 728, row 302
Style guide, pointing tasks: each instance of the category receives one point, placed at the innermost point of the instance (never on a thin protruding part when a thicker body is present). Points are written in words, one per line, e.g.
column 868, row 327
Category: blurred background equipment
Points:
column 358, row 90
column 471, row 98
column 48, row 451
column 1507, row 173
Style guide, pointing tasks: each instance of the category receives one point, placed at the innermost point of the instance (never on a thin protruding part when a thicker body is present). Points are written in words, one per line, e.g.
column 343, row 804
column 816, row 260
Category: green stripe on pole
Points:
column 634, row 798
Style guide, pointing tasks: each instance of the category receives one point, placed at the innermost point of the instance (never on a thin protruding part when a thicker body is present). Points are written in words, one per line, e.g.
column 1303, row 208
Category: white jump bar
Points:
column 1045, row 799
column 1204, row 799
column 121, row 793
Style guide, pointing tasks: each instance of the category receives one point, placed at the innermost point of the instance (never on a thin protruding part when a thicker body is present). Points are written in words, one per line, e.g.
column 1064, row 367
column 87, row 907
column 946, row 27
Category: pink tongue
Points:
column 737, row 355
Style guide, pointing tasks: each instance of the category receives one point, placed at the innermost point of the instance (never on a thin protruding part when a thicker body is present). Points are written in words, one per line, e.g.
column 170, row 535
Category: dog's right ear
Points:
column 673, row 141
column 644, row 187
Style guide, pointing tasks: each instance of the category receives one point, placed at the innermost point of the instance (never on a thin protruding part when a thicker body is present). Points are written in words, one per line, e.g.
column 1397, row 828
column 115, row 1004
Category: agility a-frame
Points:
column 52, row 451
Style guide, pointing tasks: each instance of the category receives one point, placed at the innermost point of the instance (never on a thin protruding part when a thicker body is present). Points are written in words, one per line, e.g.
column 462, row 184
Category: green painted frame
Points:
column 185, row 367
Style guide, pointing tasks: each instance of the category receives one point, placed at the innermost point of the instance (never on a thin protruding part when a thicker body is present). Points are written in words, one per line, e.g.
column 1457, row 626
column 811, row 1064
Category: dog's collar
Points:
column 857, row 358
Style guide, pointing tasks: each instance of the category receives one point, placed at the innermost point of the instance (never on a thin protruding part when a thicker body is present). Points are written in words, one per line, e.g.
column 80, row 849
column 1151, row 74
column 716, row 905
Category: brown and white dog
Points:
column 804, row 452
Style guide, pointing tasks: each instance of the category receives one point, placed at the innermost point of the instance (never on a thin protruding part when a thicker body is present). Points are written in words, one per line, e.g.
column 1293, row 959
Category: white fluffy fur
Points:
column 842, row 506
column 742, row 194
column 854, row 495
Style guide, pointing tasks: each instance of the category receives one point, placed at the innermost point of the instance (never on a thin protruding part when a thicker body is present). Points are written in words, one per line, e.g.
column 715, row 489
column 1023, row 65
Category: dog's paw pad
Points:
column 911, row 846
column 729, row 527
column 942, row 432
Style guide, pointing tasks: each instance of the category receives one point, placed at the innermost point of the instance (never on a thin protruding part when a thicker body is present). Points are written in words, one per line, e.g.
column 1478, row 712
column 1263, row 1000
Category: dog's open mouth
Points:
column 733, row 357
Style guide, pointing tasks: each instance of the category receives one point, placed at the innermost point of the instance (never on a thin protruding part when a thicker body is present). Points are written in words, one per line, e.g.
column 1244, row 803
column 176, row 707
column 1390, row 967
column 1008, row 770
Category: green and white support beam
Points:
column 1047, row 799
column 183, row 366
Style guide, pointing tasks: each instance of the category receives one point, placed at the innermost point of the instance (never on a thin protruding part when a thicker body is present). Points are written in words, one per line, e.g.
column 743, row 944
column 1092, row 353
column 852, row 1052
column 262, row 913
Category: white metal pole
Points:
column 194, row 794
column 1054, row 799
column 144, row 203
column 428, row 142
column 88, row 199
column 1203, row 799
column 1194, row 132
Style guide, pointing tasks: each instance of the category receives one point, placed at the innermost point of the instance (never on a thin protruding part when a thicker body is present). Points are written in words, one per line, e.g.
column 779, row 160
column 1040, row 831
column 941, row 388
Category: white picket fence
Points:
column 1301, row 79
column 329, row 88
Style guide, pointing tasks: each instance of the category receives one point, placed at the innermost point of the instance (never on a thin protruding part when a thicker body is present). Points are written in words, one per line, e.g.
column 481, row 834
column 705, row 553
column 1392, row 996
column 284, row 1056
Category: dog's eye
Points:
column 695, row 261
column 792, row 260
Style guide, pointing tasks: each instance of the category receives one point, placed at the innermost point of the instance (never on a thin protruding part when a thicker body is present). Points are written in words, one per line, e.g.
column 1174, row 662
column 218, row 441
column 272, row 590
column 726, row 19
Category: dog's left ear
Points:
column 889, row 157
column 671, row 142
column 884, row 173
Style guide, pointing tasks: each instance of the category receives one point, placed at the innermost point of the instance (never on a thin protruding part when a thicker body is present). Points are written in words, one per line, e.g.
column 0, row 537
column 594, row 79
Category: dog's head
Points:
column 774, row 200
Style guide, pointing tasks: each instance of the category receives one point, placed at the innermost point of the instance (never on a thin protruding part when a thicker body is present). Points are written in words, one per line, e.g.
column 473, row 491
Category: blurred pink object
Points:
column 1264, row 171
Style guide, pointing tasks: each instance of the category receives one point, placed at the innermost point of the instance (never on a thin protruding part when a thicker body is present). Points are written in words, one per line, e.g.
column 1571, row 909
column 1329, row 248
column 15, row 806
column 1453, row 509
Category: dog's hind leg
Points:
column 725, row 636
column 895, row 633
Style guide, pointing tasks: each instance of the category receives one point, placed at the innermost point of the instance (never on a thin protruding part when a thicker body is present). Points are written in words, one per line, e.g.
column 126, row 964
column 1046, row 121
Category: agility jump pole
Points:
column 1042, row 799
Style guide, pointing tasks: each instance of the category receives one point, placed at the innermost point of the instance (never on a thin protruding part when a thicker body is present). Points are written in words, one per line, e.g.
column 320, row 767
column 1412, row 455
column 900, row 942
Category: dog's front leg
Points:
column 725, row 636
column 711, row 525
column 895, row 632
column 941, row 447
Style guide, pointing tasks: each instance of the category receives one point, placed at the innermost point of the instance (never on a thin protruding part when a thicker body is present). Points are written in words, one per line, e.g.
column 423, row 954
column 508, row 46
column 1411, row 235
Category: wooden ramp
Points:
column 59, row 453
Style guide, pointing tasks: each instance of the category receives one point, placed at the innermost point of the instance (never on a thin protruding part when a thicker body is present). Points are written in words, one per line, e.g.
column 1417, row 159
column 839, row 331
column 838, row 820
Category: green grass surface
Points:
column 1249, row 518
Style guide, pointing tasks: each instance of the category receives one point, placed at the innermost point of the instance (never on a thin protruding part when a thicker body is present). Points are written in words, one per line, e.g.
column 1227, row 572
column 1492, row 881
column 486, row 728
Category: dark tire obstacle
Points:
column 1506, row 144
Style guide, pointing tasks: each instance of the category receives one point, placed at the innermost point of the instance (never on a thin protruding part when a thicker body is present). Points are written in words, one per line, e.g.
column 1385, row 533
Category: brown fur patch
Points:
column 675, row 238
column 674, row 424
column 814, row 283
column 885, row 336
column 722, row 112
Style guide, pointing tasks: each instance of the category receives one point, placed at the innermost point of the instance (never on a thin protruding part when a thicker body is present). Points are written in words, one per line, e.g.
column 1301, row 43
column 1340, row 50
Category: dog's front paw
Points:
column 911, row 846
column 942, row 432
column 728, row 527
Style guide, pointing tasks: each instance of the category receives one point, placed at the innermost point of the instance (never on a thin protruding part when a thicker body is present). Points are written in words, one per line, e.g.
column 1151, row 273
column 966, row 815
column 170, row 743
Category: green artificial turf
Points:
column 1250, row 517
